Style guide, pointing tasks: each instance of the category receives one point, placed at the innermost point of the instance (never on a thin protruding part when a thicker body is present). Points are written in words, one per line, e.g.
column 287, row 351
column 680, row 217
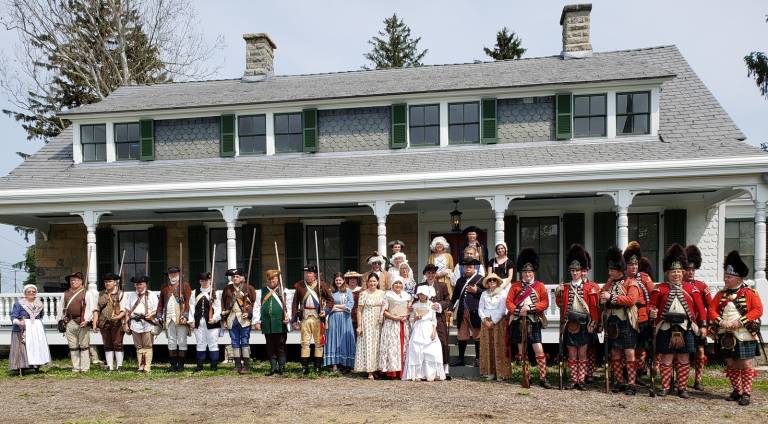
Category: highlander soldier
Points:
column 441, row 302
column 308, row 309
column 620, row 296
column 678, row 314
column 141, row 308
column 528, row 299
column 735, row 316
column 237, row 301
column 580, row 314
column 206, row 321
column 108, row 317
column 78, row 314
column 272, row 322
column 173, row 311
column 633, row 257
column 694, row 263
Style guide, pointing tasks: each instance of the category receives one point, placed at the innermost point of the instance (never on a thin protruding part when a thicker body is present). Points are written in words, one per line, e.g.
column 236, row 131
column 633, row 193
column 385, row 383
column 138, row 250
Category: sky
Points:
column 332, row 35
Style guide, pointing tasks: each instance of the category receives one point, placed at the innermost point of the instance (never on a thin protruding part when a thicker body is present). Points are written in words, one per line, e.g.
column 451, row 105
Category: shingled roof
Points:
column 693, row 125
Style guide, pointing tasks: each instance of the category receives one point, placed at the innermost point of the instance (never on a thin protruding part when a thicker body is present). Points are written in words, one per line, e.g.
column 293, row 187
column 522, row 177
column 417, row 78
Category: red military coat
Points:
column 631, row 296
column 660, row 296
column 746, row 296
column 647, row 284
column 542, row 301
column 591, row 298
column 704, row 292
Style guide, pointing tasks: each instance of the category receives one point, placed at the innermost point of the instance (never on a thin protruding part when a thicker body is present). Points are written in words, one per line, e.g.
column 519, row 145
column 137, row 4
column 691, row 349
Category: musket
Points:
column 213, row 286
column 250, row 258
column 282, row 287
column 526, row 383
column 120, row 272
column 182, row 301
column 319, row 293
column 762, row 344
column 652, row 359
column 560, row 365
column 606, row 351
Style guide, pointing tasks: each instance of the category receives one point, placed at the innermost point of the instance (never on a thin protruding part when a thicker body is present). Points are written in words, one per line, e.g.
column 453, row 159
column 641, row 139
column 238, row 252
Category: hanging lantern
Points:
column 456, row 217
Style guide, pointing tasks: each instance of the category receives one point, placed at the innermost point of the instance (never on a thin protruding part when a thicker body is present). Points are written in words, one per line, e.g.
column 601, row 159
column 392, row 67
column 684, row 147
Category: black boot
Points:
column 198, row 367
column 477, row 353
column 272, row 367
column 744, row 401
column 214, row 360
column 281, row 365
column 238, row 365
column 462, row 350
column 172, row 361
column 318, row 364
column 180, row 356
column 305, row 366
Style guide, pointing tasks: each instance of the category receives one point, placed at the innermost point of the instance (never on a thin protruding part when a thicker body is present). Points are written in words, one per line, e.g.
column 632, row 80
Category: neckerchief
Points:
column 32, row 308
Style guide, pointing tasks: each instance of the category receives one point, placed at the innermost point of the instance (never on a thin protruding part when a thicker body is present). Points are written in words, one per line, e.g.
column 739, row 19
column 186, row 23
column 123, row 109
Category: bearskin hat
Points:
column 614, row 260
column 734, row 265
column 674, row 258
column 527, row 260
column 645, row 266
column 577, row 257
column 694, row 256
column 632, row 253
column 589, row 260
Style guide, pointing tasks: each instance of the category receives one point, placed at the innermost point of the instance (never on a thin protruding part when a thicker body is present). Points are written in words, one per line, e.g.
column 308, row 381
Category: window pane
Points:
column 100, row 133
column 135, row 150
column 455, row 114
column 640, row 123
column 472, row 133
column 331, row 242
column 581, row 127
column 133, row 132
column 549, row 239
column 640, row 103
column 548, row 269
column 294, row 125
column 597, row 105
column 621, row 103
column 746, row 247
column 746, row 229
column 731, row 244
column 597, row 126
column 123, row 150
column 245, row 125
column 417, row 136
column 121, row 133
column 296, row 143
column 281, row 124
column 455, row 133
column 471, row 112
column 432, row 135
column 731, row 229
column 86, row 134
column 101, row 152
column 581, row 105
column 432, row 115
column 624, row 124
column 417, row 115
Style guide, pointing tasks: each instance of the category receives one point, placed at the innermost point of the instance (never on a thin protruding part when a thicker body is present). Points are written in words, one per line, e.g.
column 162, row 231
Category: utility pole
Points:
column 15, row 287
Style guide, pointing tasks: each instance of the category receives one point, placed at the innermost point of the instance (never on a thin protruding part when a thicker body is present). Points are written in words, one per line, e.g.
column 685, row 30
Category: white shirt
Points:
column 458, row 272
column 193, row 303
column 147, row 306
column 495, row 306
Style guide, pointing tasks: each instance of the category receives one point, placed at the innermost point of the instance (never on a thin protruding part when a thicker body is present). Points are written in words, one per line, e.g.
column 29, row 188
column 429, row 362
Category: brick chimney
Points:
column 575, row 23
column 259, row 54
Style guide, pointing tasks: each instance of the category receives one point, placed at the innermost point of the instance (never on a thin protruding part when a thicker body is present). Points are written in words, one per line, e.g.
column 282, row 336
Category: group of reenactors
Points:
column 655, row 329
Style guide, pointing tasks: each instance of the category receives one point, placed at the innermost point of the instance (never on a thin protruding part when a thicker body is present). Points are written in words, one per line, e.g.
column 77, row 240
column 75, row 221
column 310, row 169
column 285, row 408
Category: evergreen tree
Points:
column 508, row 46
column 757, row 68
column 394, row 47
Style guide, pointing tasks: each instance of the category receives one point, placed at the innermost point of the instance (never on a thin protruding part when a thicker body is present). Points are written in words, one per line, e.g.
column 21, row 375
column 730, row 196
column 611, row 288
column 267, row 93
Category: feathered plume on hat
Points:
column 632, row 253
column 694, row 256
column 577, row 257
column 614, row 259
column 528, row 260
column 674, row 258
column 734, row 265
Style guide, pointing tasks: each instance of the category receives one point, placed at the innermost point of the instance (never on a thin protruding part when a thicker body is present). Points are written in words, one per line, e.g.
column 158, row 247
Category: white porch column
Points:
column 91, row 220
column 760, row 249
column 381, row 210
column 499, row 204
column 622, row 199
column 230, row 214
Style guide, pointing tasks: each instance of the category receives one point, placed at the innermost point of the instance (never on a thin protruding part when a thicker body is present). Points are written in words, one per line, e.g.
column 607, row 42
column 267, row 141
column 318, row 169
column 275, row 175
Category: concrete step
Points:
column 470, row 352
column 465, row 372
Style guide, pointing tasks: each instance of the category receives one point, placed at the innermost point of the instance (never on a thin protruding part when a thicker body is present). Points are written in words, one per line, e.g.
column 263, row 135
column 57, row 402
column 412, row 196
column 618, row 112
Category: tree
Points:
column 75, row 52
column 394, row 48
column 757, row 68
column 508, row 46
column 28, row 265
column 764, row 146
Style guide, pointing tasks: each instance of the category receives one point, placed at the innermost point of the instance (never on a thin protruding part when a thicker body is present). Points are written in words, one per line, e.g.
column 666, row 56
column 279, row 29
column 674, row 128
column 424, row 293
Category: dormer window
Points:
column 464, row 123
column 252, row 133
column 127, row 141
column 589, row 115
column 288, row 134
column 633, row 113
column 424, row 121
column 93, row 139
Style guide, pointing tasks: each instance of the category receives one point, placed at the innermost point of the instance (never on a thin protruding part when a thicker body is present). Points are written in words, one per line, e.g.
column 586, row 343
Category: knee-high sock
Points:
column 119, row 358
column 734, row 376
column 110, row 361
column 74, row 355
column 462, row 349
column 85, row 359
column 617, row 371
column 747, row 375
column 683, row 369
column 477, row 349
column 541, row 362
column 631, row 372
column 200, row 356
column 214, row 356
column 666, row 375
column 583, row 366
column 591, row 362
column 573, row 365
column 701, row 362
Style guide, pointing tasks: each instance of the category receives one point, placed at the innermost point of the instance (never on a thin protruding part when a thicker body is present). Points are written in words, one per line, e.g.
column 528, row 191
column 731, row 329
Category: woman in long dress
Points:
column 29, row 347
column 340, row 336
column 354, row 285
column 369, row 327
column 425, row 354
column 394, row 332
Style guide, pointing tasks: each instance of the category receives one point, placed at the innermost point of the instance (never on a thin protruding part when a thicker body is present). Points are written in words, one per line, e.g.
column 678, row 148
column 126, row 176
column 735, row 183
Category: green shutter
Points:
column 398, row 134
column 227, row 138
column 157, row 252
column 147, row 142
column 488, row 126
column 105, row 255
column 254, row 278
column 197, row 253
column 605, row 237
column 563, row 119
column 309, row 130
column 510, row 236
column 350, row 246
column 294, row 252
column 573, row 232
column 674, row 227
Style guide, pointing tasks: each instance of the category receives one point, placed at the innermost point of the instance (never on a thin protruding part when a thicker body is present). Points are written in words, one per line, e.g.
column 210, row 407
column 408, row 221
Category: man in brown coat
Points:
column 173, row 312
column 237, row 302
column 441, row 302
column 309, row 300
column 77, row 315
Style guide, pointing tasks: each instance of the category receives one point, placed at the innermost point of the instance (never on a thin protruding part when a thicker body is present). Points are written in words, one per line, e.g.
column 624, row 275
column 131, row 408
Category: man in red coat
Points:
column 633, row 256
column 694, row 263
column 579, row 314
column 735, row 317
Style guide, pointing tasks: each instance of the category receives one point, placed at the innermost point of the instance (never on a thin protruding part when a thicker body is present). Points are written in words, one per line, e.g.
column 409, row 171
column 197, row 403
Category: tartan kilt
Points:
column 645, row 335
column 664, row 336
column 580, row 338
column 743, row 350
column 534, row 332
column 627, row 338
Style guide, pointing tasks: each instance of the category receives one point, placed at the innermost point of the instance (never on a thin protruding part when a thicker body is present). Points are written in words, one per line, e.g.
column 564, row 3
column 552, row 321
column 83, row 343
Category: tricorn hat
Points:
column 694, row 256
column 234, row 271
column 394, row 242
column 204, row 276
column 110, row 276
column 173, row 269
column 271, row 273
column 632, row 253
column 614, row 260
column 75, row 275
column 310, row 268
column 429, row 268
column 471, row 229
column 734, row 265
column 674, row 258
column 577, row 257
column 470, row 261
column 527, row 260
column 375, row 257
column 142, row 279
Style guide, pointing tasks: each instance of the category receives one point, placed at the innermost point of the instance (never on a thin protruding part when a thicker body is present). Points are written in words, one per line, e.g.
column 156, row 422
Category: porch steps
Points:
column 467, row 371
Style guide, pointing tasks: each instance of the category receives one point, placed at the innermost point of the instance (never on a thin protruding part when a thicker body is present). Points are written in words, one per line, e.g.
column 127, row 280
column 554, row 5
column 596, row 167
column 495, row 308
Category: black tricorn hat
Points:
column 694, row 256
column 75, row 275
column 674, row 258
column 734, row 265
column 471, row 261
column 428, row 268
column 235, row 271
column 614, row 259
column 110, row 276
column 471, row 229
column 142, row 279
column 310, row 268
column 632, row 253
column 577, row 257
column 204, row 276
column 527, row 260
column 173, row 269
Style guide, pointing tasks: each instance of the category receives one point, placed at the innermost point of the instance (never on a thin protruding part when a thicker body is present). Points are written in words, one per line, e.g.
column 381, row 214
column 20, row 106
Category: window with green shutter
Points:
column 563, row 116
column 294, row 253
column 147, row 142
column 197, row 253
column 675, row 221
column 309, row 130
column 398, row 135
column 604, row 237
column 573, row 232
column 227, row 138
column 489, row 121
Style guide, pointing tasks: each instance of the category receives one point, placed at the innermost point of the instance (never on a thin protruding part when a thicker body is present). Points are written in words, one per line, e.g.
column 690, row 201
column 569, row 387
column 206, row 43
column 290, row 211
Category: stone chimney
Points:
column 259, row 54
column 575, row 23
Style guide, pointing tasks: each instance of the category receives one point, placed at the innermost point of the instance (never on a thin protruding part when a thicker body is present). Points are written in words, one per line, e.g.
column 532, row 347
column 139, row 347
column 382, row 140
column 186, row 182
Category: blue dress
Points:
column 340, row 335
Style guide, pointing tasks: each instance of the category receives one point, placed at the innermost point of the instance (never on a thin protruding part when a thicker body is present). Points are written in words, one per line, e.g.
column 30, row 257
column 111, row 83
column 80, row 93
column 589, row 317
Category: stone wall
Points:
column 62, row 254
column 195, row 138
column 520, row 121
column 345, row 130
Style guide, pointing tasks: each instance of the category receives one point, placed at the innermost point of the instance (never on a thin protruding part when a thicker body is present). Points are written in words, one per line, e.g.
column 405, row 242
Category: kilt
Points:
column 577, row 339
column 534, row 332
column 645, row 335
column 664, row 336
column 743, row 350
column 627, row 338
column 700, row 341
